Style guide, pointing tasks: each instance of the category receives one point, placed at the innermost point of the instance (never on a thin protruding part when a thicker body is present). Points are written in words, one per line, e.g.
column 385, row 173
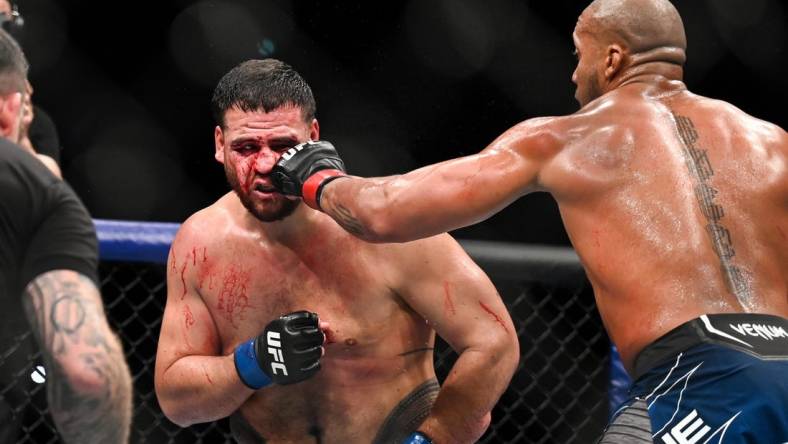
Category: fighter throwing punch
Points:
column 676, row 204
column 249, row 277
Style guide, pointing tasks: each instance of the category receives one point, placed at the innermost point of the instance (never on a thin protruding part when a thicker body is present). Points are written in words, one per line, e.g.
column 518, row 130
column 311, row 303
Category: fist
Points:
column 290, row 348
column 298, row 164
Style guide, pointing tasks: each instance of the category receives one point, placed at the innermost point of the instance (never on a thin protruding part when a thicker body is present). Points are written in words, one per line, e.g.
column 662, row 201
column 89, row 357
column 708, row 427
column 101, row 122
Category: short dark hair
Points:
column 13, row 65
column 262, row 85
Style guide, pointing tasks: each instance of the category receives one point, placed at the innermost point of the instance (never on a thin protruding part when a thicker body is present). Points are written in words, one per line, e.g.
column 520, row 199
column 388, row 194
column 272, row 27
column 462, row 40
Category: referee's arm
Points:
column 89, row 387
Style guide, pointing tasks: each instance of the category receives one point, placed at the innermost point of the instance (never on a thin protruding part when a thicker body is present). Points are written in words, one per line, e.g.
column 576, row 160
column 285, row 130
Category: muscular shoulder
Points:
column 538, row 138
column 547, row 136
column 770, row 134
column 206, row 226
column 725, row 118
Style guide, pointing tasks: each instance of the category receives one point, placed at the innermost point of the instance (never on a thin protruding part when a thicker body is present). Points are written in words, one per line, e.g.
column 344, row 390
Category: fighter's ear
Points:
column 314, row 130
column 218, row 139
column 10, row 116
column 614, row 61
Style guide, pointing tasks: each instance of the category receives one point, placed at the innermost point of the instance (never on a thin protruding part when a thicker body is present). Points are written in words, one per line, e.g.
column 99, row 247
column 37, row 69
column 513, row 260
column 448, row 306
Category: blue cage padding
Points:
column 128, row 241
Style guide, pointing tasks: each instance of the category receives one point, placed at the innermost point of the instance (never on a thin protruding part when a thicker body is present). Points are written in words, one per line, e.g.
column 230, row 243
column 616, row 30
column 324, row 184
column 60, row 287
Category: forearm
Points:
column 402, row 208
column 425, row 202
column 461, row 413
column 88, row 382
column 341, row 199
column 93, row 403
column 198, row 389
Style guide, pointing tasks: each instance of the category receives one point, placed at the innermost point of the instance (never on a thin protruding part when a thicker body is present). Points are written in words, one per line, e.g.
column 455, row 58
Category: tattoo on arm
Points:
column 348, row 221
column 700, row 168
column 88, row 382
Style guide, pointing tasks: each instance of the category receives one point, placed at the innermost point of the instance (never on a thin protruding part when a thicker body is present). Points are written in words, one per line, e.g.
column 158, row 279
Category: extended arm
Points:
column 430, row 200
column 444, row 286
column 88, row 382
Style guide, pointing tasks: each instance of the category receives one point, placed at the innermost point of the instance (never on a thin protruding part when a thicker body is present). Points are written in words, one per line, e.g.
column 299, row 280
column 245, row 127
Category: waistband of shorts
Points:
column 761, row 335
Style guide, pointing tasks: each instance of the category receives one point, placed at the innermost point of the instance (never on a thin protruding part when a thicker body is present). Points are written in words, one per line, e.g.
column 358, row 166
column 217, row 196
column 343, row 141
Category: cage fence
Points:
column 560, row 393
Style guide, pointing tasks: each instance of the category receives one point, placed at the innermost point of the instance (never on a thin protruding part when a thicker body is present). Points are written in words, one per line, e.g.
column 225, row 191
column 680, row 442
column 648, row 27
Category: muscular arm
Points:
column 194, row 381
column 88, row 382
column 447, row 195
column 444, row 286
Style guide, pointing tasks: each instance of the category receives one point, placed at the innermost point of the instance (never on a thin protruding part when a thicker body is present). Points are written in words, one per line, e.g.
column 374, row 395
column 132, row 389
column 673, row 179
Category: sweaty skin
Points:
column 677, row 204
column 229, row 274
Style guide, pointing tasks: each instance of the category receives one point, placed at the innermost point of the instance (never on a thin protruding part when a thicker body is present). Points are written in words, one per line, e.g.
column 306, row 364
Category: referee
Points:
column 48, row 260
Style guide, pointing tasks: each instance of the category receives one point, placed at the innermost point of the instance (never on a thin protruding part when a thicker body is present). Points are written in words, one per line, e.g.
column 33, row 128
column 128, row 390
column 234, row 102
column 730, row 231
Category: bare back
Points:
column 677, row 206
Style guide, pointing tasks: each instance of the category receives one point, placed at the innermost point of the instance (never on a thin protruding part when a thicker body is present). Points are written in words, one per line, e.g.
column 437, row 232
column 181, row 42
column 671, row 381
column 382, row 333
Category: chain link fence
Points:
column 558, row 395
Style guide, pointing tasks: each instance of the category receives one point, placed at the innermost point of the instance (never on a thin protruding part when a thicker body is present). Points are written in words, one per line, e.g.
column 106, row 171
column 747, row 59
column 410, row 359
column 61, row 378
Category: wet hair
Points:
column 13, row 66
column 640, row 25
column 262, row 85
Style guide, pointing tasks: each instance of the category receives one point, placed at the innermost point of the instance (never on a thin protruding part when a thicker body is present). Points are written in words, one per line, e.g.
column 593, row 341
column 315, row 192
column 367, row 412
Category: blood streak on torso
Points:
column 341, row 279
column 233, row 299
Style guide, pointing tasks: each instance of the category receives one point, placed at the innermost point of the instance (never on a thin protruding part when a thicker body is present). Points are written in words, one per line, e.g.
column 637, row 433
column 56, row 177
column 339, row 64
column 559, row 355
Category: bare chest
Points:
column 246, row 285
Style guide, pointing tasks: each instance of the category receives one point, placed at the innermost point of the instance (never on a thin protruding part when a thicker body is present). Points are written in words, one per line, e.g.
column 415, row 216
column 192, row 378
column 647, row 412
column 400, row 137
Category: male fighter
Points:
column 249, row 276
column 48, row 259
column 676, row 204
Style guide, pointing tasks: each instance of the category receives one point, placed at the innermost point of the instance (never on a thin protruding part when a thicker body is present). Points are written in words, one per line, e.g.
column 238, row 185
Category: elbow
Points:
column 379, row 228
column 83, row 380
column 376, row 215
column 93, row 375
column 505, row 349
column 177, row 415
column 176, row 411
column 383, row 223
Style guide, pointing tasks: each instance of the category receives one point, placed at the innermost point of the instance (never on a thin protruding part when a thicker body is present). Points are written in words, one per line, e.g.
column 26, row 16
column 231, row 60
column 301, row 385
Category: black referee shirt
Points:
column 43, row 227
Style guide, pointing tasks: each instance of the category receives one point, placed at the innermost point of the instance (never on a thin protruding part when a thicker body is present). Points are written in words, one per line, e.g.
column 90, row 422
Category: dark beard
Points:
column 286, row 207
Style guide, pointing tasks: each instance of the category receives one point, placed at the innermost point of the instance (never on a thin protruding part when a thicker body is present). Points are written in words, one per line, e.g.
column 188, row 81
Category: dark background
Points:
column 398, row 85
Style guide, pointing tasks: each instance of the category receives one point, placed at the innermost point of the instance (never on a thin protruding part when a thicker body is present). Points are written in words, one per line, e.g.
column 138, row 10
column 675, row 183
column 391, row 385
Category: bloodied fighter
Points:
column 302, row 333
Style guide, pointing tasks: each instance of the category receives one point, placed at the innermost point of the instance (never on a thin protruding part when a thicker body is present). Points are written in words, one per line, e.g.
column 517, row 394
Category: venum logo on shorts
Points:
column 273, row 339
column 769, row 332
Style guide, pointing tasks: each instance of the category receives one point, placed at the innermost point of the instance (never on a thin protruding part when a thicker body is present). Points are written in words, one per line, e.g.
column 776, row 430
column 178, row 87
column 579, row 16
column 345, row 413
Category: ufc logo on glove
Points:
column 292, row 151
column 273, row 339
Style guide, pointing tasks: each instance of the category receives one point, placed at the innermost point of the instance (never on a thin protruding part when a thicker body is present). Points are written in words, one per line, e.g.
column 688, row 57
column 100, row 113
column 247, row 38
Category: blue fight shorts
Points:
column 717, row 379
